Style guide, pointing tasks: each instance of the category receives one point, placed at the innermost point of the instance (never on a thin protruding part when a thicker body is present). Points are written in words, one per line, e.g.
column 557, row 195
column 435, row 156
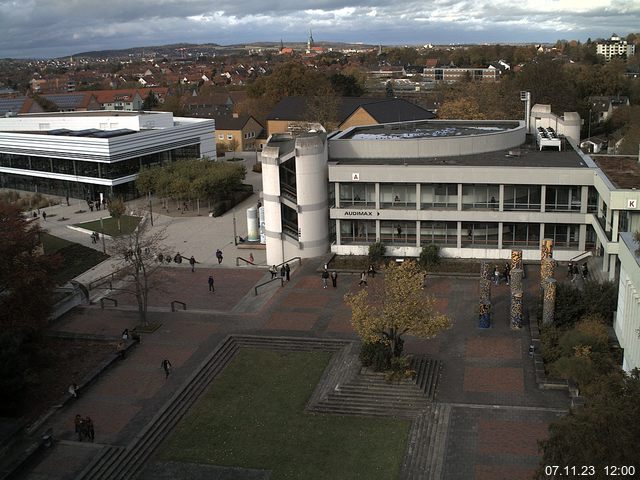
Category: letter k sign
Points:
column 631, row 203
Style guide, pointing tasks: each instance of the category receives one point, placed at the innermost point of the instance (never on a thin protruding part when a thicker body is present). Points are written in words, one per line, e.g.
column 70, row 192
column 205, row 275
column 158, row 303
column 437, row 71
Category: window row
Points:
column 522, row 235
column 473, row 197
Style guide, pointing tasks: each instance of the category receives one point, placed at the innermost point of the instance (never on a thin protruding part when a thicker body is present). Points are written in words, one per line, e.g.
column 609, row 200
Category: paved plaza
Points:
column 497, row 411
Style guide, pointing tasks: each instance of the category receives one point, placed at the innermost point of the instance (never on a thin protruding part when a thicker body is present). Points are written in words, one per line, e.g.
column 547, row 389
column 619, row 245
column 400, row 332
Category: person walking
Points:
column 334, row 278
column 287, row 271
column 44, row 215
column 251, row 258
column 574, row 273
column 363, row 279
column 570, row 270
column 88, row 425
column 211, row 288
column 73, row 390
column 371, row 272
column 283, row 272
column 585, row 271
column 325, row 276
column 273, row 271
column 192, row 262
column 496, row 275
column 166, row 366
column 219, row 256
column 79, row 426
column 507, row 273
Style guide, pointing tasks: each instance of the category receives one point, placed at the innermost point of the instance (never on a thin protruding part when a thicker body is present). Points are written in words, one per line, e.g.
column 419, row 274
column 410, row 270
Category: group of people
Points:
column 84, row 428
column 95, row 236
column 506, row 274
column 573, row 271
column 326, row 275
column 91, row 204
column 285, row 270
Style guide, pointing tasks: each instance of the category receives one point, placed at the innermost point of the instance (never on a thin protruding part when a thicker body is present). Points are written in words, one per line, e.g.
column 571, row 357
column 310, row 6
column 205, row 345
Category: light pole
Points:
column 150, row 209
column 235, row 237
column 589, row 134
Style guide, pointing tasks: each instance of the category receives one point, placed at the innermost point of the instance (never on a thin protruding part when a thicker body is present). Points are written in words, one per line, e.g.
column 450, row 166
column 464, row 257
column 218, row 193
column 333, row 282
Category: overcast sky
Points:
column 51, row 28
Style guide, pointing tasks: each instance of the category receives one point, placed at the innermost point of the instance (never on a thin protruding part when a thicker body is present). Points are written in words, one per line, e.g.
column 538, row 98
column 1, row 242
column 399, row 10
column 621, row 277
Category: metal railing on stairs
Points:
column 582, row 256
column 178, row 302
column 267, row 282
column 244, row 260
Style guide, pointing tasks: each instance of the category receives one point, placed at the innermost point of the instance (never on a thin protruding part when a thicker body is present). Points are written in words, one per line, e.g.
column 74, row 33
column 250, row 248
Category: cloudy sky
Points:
column 50, row 28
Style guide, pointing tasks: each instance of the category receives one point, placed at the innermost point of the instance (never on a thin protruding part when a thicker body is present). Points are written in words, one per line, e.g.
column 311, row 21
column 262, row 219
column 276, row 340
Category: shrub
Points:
column 429, row 256
column 257, row 167
column 376, row 252
column 376, row 355
column 399, row 369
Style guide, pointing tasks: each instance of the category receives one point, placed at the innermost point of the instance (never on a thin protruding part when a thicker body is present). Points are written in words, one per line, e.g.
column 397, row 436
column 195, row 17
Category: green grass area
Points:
column 110, row 225
column 253, row 416
column 446, row 265
column 76, row 258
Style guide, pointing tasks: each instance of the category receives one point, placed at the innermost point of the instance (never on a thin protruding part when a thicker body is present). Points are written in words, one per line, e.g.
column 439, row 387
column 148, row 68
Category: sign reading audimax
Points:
column 361, row 213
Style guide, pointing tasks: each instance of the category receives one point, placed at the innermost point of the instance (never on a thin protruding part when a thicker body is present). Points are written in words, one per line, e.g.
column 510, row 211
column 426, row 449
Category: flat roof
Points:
column 623, row 171
column 525, row 156
column 428, row 129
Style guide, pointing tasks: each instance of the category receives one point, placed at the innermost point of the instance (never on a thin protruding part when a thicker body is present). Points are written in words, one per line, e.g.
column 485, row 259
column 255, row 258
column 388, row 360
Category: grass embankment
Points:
column 76, row 258
column 253, row 417
column 109, row 225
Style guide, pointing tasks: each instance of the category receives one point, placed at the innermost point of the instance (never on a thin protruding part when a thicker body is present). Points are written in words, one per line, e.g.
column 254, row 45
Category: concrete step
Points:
column 379, row 394
column 107, row 455
column 366, row 401
column 349, row 409
column 428, row 373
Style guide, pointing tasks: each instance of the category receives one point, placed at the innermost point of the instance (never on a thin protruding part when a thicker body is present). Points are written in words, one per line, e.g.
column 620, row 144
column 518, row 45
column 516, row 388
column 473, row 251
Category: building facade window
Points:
column 358, row 195
column 398, row 232
column 563, row 236
column 289, row 222
column 439, row 196
column 522, row 197
column 440, row 233
column 521, row 235
column 480, row 197
column 288, row 178
column 229, row 136
column 357, row 232
column 479, row 235
column 560, row 198
column 397, row 195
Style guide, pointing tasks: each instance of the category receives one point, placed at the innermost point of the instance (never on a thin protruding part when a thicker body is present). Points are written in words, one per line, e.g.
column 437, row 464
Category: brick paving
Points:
column 498, row 412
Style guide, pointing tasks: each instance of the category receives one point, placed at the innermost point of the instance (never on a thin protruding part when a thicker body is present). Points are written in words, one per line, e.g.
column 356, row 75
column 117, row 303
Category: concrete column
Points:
column 600, row 205
column 418, row 193
column 417, row 233
column 459, row 197
column 547, row 270
column 378, row 199
column 336, row 192
column 582, row 238
column 377, row 230
column 607, row 223
column 459, row 245
column 541, row 234
column 501, row 205
column 584, row 199
column 500, row 233
column 271, row 203
column 615, row 222
column 517, row 291
column 338, row 234
column 516, row 260
column 612, row 267
column 543, row 198
column 546, row 249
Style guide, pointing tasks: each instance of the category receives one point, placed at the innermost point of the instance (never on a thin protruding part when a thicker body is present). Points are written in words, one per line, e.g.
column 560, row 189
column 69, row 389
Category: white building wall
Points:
column 627, row 318
column 271, row 203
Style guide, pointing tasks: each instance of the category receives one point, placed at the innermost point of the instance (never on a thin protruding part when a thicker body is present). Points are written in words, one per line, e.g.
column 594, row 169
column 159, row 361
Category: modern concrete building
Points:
column 627, row 318
column 457, row 74
column 478, row 189
column 84, row 154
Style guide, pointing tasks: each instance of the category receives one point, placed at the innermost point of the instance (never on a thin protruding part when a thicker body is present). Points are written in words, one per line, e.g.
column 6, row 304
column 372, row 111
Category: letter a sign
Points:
column 355, row 177
column 632, row 203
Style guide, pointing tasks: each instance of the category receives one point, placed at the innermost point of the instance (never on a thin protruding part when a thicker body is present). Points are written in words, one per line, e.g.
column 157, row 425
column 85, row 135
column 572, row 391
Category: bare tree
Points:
column 141, row 254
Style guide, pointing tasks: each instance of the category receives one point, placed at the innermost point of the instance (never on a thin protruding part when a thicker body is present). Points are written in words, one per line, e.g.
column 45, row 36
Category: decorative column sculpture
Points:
column 546, row 250
column 547, row 270
column 517, row 291
column 484, row 308
column 549, row 301
column 516, row 259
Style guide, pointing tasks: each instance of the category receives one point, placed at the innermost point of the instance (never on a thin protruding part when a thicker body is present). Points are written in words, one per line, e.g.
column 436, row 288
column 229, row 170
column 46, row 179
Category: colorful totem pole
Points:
column 549, row 301
column 546, row 249
column 516, row 259
column 547, row 270
column 484, row 308
column 517, row 291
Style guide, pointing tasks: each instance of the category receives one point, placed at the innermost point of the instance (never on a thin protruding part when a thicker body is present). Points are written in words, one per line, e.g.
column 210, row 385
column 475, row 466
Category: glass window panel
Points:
column 357, row 231
column 398, row 195
column 42, row 164
column 398, row 232
column 479, row 234
column 440, row 233
column 63, row 165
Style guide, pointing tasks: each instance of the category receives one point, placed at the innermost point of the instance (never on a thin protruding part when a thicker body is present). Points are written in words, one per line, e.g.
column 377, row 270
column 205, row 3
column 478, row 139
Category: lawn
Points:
column 76, row 258
column 252, row 416
column 109, row 225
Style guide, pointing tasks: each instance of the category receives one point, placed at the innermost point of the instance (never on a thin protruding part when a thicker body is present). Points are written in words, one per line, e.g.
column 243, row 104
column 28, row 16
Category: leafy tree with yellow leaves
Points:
column 396, row 306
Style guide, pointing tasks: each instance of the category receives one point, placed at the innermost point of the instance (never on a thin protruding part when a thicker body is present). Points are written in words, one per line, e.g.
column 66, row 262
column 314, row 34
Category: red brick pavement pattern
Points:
column 514, row 438
column 438, row 286
column 291, row 321
column 307, row 298
column 108, row 419
column 441, row 305
column 340, row 321
column 67, row 458
column 314, row 282
column 182, row 332
column 503, row 472
column 494, row 347
column 168, row 284
column 493, row 380
column 97, row 321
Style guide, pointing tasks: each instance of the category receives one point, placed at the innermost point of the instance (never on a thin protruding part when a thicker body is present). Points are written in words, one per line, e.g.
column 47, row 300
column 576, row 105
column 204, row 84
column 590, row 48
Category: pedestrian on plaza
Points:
column 585, row 271
column 192, row 262
column 211, row 288
column 79, row 426
column 496, row 275
column 287, row 271
column 90, row 206
column 334, row 278
column 177, row 258
column 574, row 273
column 273, row 271
column 91, row 434
column 371, row 272
column 67, row 199
column 166, row 366
column 219, row 256
column 125, row 334
column 73, row 390
column 93, row 237
column 363, row 279
column 569, row 270
column 97, row 205
column 251, row 257
column 507, row 273
column 283, row 272
column 325, row 276
column 44, row 215
column 135, row 336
